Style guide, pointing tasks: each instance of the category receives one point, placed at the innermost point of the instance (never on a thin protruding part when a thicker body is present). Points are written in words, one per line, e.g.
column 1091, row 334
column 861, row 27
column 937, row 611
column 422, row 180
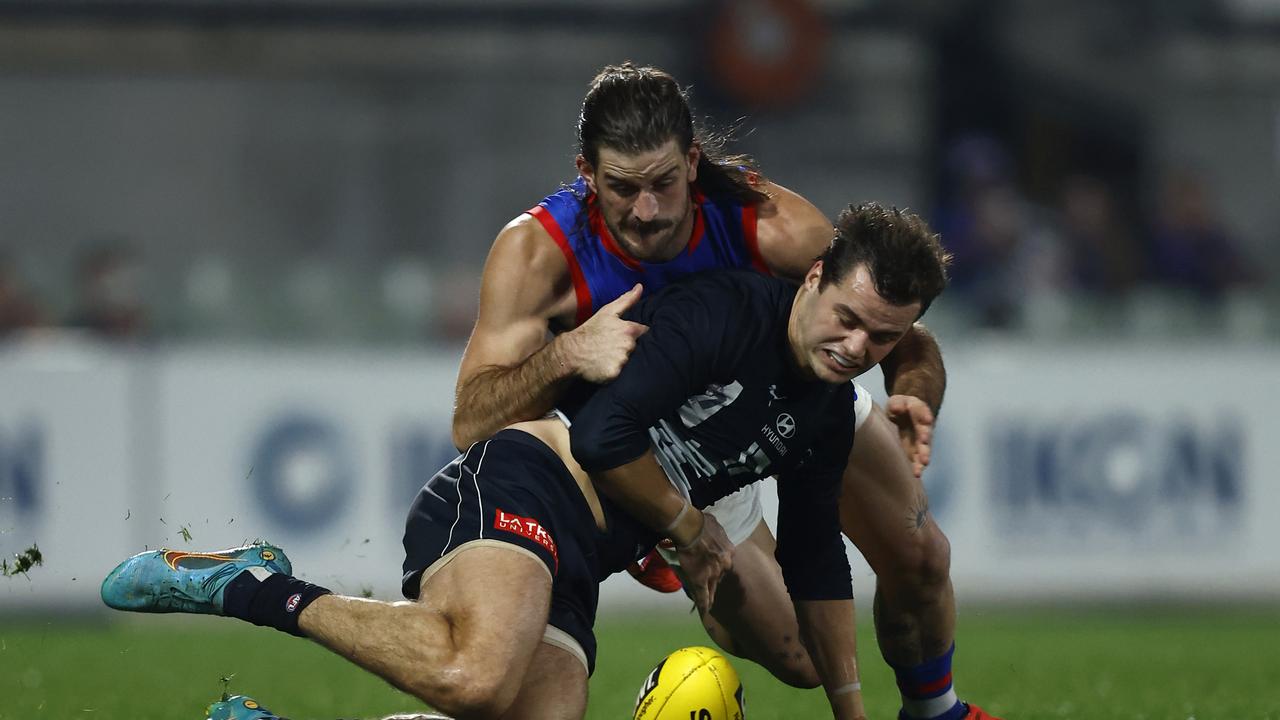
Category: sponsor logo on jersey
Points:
column 774, row 438
column 292, row 603
column 786, row 425
column 526, row 528
column 774, row 395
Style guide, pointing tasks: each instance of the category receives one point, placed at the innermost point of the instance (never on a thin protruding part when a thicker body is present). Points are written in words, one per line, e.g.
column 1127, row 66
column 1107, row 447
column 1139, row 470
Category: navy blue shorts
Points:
column 513, row 489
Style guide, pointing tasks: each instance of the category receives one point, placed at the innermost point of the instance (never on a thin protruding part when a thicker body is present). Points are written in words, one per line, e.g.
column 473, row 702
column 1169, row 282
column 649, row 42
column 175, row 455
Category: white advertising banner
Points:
column 1060, row 473
column 320, row 453
column 1109, row 472
column 67, row 470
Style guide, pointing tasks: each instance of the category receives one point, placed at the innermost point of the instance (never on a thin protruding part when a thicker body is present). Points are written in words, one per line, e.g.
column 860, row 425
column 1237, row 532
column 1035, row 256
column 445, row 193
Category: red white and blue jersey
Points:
column 724, row 236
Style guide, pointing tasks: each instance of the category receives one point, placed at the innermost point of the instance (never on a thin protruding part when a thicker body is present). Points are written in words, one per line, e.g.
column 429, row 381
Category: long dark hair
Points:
column 636, row 109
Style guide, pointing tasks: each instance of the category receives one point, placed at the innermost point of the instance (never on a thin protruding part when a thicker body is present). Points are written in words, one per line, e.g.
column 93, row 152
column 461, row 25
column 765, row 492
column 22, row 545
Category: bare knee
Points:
column 797, row 670
column 467, row 687
column 785, row 658
column 923, row 564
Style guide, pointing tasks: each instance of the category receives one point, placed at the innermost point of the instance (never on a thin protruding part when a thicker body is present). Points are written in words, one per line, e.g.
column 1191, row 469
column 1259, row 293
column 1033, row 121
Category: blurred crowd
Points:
column 1076, row 265
column 107, row 301
column 1019, row 264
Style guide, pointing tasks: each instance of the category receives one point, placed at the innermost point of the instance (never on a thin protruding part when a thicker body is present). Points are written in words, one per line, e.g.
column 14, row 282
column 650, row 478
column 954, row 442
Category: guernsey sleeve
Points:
column 810, row 542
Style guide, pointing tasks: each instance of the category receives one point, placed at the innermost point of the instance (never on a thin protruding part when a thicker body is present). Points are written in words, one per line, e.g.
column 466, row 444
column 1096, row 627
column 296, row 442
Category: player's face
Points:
column 645, row 199
column 841, row 331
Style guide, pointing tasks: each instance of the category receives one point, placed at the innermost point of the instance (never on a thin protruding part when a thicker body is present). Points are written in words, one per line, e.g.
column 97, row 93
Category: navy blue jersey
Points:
column 724, row 236
column 712, row 387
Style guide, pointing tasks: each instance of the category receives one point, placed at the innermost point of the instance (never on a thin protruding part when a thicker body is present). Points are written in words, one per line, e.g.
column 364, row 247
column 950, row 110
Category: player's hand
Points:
column 704, row 561
column 915, row 429
column 599, row 347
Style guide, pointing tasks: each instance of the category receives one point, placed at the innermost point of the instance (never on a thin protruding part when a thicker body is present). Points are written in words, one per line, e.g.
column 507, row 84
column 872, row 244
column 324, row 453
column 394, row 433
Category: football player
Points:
column 658, row 198
column 739, row 377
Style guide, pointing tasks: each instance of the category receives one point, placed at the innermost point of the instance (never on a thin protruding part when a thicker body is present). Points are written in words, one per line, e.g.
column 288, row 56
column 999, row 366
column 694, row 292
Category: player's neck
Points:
column 796, row 357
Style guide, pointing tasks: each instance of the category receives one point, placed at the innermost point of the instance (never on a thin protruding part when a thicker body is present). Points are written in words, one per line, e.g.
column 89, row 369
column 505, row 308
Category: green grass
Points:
column 1094, row 664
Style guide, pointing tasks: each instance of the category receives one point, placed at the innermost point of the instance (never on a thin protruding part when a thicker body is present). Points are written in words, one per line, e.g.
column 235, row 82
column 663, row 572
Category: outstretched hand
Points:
column 915, row 429
column 599, row 348
column 704, row 561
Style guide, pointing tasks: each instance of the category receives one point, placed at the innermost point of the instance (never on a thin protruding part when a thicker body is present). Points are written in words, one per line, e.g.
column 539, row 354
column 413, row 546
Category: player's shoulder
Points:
column 526, row 273
column 791, row 232
column 566, row 205
column 524, row 242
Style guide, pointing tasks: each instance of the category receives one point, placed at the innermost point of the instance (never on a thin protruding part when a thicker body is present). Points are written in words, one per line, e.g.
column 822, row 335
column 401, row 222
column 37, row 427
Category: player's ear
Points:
column 814, row 276
column 587, row 172
column 693, row 156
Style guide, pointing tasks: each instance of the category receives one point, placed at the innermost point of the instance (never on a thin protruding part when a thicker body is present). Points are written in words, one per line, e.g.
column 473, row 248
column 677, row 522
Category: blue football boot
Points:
column 239, row 707
column 162, row 581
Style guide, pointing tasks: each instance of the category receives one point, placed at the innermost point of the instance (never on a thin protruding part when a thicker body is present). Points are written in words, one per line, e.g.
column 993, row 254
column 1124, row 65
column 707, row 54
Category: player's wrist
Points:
column 846, row 702
column 562, row 356
column 912, row 386
column 686, row 528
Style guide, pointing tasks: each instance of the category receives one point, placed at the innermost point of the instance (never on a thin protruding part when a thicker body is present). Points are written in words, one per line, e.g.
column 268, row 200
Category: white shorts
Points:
column 742, row 511
column 861, row 406
column 739, row 513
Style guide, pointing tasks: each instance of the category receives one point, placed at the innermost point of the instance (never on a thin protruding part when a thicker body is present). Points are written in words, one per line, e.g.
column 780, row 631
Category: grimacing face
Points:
column 645, row 198
column 843, row 330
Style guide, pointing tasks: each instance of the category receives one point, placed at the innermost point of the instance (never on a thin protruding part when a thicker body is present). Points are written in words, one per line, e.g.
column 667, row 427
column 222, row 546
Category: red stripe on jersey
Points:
column 753, row 243
column 580, row 289
column 699, row 229
column 699, row 222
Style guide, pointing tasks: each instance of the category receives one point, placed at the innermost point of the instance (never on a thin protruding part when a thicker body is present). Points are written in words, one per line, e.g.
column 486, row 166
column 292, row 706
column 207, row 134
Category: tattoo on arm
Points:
column 918, row 513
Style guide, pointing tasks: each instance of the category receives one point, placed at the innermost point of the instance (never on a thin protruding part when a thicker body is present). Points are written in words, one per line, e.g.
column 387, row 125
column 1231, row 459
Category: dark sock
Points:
column 275, row 601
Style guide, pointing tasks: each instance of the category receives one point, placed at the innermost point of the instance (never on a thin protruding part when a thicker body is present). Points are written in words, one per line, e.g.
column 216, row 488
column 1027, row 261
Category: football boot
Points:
column 239, row 707
column 163, row 581
column 653, row 572
column 977, row 713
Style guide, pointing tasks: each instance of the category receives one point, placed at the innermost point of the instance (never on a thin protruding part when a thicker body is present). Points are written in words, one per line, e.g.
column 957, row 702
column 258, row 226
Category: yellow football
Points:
column 693, row 683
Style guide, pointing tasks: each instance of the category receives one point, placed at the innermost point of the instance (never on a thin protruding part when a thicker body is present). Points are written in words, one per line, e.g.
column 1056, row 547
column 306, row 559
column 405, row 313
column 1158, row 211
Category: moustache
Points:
column 650, row 227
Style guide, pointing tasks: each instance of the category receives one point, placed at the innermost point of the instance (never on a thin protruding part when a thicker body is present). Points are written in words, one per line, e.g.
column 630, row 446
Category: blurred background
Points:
column 240, row 245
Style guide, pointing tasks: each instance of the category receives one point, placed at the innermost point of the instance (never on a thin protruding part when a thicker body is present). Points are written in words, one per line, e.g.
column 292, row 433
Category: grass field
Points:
column 1094, row 664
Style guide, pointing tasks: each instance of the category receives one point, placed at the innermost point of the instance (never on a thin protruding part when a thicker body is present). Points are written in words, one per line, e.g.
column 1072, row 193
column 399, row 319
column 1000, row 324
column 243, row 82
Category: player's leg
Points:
column 885, row 512
column 463, row 650
column 463, row 647
column 555, row 687
column 478, row 529
column 514, row 496
column 753, row 616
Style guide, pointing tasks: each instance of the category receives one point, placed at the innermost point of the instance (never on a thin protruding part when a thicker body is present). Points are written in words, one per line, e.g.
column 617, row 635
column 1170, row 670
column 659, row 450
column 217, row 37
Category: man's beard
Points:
column 661, row 250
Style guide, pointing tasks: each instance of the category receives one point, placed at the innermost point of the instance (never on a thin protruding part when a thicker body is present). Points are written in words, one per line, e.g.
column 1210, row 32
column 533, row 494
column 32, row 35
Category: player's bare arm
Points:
column 915, row 379
column 792, row 232
column 643, row 490
column 509, row 372
column 829, row 633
